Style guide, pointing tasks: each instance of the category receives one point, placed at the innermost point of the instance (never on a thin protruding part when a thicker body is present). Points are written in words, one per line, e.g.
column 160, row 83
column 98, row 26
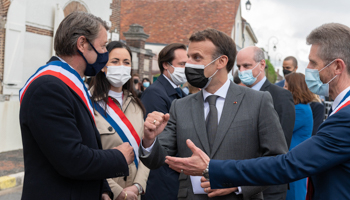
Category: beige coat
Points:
column 110, row 139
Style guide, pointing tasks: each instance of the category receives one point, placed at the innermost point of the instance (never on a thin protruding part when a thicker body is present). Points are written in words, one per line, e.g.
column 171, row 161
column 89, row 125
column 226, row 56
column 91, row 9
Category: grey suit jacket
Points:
column 249, row 127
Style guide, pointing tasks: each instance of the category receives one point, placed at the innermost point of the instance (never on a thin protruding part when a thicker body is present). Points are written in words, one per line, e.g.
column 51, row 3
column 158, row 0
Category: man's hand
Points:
column 194, row 165
column 127, row 151
column 105, row 196
column 217, row 192
column 127, row 194
column 153, row 126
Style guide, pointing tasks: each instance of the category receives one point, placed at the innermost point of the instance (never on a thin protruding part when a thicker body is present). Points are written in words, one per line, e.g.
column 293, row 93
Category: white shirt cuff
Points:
column 239, row 191
column 148, row 150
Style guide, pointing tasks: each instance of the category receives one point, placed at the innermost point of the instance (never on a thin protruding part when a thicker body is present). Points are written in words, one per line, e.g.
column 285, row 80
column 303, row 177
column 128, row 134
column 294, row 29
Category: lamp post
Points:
column 274, row 45
column 248, row 5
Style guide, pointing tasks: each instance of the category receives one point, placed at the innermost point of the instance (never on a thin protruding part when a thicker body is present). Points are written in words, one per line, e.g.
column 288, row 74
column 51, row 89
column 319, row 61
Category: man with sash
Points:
column 324, row 158
column 61, row 145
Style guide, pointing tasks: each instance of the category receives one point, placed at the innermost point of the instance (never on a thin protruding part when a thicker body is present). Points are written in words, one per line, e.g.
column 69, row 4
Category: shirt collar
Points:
column 172, row 84
column 340, row 97
column 221, row 92
column 259, row 84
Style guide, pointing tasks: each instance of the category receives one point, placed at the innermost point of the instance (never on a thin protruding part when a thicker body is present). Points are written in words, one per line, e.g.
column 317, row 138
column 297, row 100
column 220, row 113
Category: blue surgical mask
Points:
column 146, row 84
column 101, row 61
column 314, row 83
column 247, row 77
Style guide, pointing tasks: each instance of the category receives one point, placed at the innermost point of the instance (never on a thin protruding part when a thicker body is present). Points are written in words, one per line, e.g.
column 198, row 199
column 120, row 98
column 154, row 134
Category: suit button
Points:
column 110, row 129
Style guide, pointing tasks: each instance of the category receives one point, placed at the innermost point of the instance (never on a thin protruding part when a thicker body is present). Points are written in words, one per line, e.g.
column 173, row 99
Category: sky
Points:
column 287, row 23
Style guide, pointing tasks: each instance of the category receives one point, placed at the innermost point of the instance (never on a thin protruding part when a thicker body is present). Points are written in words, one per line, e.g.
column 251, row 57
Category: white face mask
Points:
column 178, row 76
column 118, row 75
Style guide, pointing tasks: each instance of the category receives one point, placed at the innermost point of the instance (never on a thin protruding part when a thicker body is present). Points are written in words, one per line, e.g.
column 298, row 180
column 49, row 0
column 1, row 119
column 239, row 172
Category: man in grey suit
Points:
column 251, row 65
column 225, row 120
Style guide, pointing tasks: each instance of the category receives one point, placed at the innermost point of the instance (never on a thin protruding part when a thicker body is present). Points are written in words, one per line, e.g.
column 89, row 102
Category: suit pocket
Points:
column 242, row 123
column 182, row 193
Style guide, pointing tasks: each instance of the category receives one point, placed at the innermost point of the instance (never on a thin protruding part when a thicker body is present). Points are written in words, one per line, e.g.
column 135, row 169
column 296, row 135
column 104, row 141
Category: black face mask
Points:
column 136, row 81
column 101, row 61
column 196, row 77
column 286, row 72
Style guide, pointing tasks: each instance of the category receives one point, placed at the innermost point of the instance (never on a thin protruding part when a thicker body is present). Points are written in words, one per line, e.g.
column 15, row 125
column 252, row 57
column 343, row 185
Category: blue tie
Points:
column 179, row 92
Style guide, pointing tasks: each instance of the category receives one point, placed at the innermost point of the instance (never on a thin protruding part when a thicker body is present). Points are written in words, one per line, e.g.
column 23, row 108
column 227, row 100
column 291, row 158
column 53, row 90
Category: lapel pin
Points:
column 235, row 102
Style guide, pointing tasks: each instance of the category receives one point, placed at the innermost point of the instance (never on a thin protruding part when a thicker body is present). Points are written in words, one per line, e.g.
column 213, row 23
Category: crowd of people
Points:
column 191, row 134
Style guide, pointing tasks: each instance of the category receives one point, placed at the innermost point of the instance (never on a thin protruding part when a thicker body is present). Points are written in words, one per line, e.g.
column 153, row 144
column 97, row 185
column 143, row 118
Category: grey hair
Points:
column 72, row 27
column 334, row 42
column 258, row 55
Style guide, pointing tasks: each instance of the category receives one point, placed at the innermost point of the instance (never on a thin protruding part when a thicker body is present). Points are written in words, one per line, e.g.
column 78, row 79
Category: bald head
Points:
column 252, row 58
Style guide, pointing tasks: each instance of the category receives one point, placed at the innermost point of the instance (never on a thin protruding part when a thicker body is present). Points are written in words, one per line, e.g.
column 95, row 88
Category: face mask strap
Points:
column 212, row 61
column 332, row 79
column 328, row 65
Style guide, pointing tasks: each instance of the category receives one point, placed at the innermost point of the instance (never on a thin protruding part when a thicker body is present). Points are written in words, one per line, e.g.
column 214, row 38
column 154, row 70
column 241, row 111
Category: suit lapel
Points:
column 265, row 85
column 199, row 120
column 233, row 100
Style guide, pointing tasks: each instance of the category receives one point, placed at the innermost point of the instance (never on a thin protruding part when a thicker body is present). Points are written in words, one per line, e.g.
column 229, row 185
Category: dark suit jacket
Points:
column 281, row 83
column 325, row 157
column 284, row 106
column 162, row 182
column 61, row 145
column 248, row 128
column 318, row 113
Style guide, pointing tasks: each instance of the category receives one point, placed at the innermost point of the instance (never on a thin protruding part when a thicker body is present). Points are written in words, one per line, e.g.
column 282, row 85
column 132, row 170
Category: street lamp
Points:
column 274, row 45
column 248, row 5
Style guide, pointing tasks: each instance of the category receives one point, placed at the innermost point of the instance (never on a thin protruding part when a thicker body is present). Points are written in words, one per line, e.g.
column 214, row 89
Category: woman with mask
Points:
column 145, row 83
column 302, row 96
column 119, row 117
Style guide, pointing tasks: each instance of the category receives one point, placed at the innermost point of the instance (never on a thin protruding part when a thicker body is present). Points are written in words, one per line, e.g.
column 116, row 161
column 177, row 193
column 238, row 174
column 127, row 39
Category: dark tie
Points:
column 179, row 92
column 212, row 119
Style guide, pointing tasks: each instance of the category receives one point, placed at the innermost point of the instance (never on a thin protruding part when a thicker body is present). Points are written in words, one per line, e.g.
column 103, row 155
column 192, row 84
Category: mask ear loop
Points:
column 327, row 65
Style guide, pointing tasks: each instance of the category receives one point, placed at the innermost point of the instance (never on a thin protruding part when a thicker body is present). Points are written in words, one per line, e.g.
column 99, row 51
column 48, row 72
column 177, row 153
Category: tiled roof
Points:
column 168, row 21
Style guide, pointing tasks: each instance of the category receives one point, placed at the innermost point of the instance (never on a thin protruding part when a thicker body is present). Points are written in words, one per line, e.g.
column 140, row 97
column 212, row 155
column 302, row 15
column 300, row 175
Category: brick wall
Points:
column 39, row 31
column 115, row 16
column 4, row 6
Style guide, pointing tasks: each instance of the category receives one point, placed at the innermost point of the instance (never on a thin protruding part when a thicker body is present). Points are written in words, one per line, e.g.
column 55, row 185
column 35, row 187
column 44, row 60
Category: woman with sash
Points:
column 119, row 117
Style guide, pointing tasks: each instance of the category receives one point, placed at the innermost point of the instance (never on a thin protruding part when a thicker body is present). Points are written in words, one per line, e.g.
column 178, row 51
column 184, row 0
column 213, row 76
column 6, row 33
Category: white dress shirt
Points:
column 172, row 84
column 258, row 86
column 339, row 98
column 116, row 95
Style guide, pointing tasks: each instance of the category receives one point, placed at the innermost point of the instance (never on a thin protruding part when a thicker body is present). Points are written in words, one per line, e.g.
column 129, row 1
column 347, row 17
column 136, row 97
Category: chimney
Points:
column 135, row 36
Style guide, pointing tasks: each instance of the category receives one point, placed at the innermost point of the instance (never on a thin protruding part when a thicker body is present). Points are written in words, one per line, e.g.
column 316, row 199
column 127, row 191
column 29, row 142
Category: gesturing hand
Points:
column 127, row 151
column 215, row 192
column 153, row 126
column 193, row 165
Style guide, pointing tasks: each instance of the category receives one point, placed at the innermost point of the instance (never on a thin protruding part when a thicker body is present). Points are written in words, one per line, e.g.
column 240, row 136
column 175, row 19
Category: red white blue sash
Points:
column 117, row 119
column 343, row 103
column 66, row 74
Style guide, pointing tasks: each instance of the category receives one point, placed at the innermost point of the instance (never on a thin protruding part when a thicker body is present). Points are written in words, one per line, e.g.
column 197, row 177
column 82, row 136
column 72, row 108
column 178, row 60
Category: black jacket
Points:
column 61, row 145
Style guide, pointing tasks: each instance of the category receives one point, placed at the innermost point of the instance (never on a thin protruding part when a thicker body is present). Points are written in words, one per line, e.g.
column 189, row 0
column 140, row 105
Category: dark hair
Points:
column 167, row 54
column 101, row 85
column 297, row 86
column 72, row 27
column 146, row 80
column 223, row 43
column 293, row 59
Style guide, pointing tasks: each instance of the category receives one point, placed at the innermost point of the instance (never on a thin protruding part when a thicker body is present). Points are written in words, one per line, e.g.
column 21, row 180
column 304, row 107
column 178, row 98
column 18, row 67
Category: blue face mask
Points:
column 247, row 77
column 101, row 61
column 146, row 84
column 314, row 83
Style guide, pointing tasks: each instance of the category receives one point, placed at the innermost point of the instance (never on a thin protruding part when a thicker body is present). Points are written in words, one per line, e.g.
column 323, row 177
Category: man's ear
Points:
column 340, row 66
column 165, row 65
column 263, row 64
column 295, row 68
column 223, row 60
column 80, row 43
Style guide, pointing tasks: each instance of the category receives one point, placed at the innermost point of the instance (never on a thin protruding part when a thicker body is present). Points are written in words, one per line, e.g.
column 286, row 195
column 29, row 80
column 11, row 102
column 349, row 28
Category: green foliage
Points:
column 270, row 72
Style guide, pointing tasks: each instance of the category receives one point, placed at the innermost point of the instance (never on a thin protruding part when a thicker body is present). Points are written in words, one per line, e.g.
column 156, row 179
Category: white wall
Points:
column 248, row 41
column 156, row 48
column 10, row 134
column 237, row 31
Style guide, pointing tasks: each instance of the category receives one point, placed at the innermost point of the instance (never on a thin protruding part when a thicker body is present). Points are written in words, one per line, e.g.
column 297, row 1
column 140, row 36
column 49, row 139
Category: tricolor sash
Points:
column 66, row 74
column 343, row 103
column 117, row 119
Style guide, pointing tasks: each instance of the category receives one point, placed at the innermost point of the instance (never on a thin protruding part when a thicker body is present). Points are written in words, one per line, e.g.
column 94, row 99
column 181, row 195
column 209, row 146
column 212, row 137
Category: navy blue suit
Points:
column 281, row 83
column 61, row 145
column 163, row 182
column 325, row 157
